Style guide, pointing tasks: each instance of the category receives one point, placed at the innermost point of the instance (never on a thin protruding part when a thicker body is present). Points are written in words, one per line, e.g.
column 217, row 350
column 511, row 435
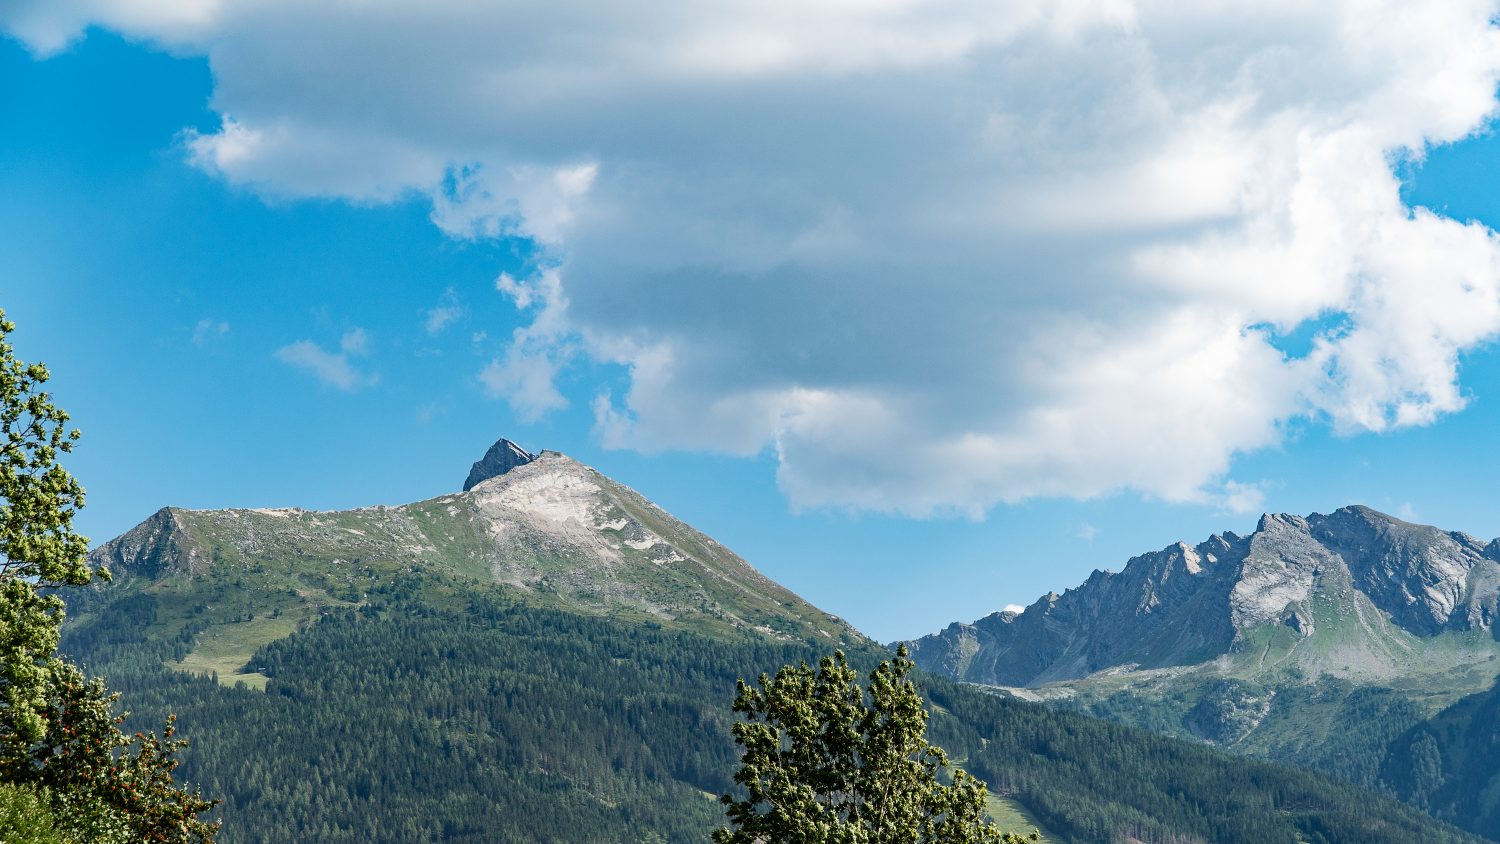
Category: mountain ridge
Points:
column 1189, row 604
column 555, row 531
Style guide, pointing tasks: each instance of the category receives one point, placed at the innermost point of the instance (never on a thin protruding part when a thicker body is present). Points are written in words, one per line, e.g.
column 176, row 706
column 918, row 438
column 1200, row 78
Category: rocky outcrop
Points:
column 1186, row 605
column 556, row 525
column 1418, row 575
column 156, row 547
column 1278, row 571
column 502, row 457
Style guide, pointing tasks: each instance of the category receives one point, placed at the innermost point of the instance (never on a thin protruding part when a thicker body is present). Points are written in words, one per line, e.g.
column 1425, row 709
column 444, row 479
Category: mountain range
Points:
column 548, row 656
column 1329, row 641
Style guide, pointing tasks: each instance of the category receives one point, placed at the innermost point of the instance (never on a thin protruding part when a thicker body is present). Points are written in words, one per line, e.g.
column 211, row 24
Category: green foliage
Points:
column 1376, row 738
column 416, row 718
column 38, row 546
column 826, row 760
column 114, row 787
column 444, row 710
column 491, row 721
column 26, row 817
column 57, row 729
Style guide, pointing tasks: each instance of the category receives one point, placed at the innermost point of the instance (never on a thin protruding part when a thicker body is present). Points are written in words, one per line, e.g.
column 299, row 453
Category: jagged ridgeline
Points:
column 548, row 656
column 1325, row 641
column 1355, row 593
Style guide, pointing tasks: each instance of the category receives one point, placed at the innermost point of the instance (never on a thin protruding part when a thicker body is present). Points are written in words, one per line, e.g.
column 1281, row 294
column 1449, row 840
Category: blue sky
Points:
column 816, row 416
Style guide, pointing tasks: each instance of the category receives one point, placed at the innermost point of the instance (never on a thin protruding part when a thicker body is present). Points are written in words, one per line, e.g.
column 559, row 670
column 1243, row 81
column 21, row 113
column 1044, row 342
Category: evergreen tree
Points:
column 826, row 760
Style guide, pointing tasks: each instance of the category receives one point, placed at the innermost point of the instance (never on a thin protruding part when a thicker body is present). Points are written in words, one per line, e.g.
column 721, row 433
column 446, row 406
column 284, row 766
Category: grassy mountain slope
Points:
column 559, row 533
column 1450, row 764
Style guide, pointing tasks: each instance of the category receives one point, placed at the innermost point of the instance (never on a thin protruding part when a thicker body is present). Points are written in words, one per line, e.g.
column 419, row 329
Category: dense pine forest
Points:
column 1450, row 764
column 1447, row 764
column 486, row 719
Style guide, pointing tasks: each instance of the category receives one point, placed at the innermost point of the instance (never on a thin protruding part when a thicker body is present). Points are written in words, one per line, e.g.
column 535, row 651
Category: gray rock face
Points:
column 1185, row 605
column 1152, row 614
column 1279, row 570
column 1418, row 575
column 156, row 547
column 502, row 457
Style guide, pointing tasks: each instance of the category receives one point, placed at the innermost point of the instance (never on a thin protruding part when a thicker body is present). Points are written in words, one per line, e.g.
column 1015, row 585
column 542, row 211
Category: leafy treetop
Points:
column 38, row 546
column 58, row 733
column 826, row 760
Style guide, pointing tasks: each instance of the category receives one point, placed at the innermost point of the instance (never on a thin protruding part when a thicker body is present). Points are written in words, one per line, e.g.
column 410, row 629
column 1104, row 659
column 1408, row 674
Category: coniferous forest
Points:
column 413, row 719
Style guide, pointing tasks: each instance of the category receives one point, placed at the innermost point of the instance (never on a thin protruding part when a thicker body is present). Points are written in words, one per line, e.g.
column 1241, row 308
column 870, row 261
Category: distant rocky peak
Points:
column 502, row 457
column 1418, row 574
column 1191, row 559
column 1281, row 522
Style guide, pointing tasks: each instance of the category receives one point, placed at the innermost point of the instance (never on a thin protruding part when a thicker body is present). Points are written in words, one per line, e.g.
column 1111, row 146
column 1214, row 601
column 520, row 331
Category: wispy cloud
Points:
column 355, row 342
column 526, row 382
column 209, row 330
column 447, row 311
column 336, row 369
column 1241, row 498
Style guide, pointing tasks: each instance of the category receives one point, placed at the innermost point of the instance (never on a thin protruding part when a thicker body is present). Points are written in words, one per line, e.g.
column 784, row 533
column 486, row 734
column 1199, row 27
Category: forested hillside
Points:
column 1450, row 764
column 420, row 717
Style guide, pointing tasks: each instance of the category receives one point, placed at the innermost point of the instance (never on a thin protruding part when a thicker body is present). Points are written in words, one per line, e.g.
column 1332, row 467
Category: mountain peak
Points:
column 545, row 529
column 1357, row 513
column 502, row 457
column 1274, row 522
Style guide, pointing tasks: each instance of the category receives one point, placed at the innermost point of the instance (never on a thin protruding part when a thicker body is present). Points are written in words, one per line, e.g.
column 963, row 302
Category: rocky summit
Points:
column 1351, row 593
column 502, row 457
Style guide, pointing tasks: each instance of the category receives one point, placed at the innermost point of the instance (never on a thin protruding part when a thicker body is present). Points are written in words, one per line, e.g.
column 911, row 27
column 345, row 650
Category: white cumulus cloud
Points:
column 937, row 254
column 525, row 376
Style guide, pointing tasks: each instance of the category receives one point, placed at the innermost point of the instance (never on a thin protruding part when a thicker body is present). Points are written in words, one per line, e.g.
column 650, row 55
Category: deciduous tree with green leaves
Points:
column 826, row 760
column 59, row 735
